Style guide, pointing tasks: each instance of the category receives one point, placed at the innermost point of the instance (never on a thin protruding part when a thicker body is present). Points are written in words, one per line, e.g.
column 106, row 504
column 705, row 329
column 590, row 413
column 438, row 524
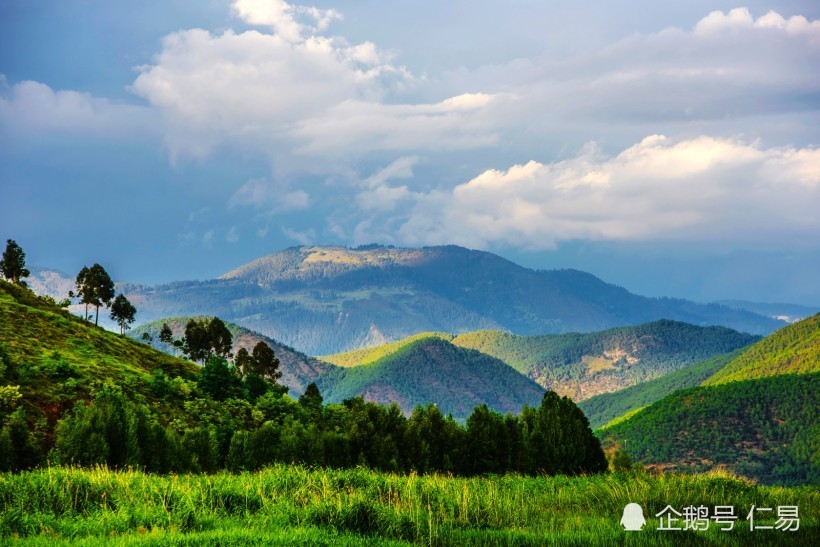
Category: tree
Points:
column 243, row 362
column 95, row 288
column 165, row 334
column 207, row 337
column 220, row 338
column 197, row 343
column 13, row 263
column 123, row 312
column 264, row 363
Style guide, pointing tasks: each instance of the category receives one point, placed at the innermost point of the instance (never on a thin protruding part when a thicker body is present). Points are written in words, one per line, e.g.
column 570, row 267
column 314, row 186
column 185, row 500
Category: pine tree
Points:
column 95, row 288
column 13, row 263
column 165, row 334
column 123, row 312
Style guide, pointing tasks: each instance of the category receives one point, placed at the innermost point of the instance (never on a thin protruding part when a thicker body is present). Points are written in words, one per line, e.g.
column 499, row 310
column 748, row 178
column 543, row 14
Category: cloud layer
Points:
column 657, row 190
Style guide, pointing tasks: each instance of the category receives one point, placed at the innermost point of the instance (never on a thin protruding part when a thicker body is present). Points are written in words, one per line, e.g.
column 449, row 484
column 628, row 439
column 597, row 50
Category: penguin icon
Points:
column 633, row 520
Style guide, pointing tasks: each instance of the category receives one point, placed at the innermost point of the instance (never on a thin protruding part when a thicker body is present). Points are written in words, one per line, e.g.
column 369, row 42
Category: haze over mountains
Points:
column 324, row 300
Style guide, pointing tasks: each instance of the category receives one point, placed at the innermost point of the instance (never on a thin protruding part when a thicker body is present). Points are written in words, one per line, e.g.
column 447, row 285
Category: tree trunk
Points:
column 97, row 317
column 86, row 311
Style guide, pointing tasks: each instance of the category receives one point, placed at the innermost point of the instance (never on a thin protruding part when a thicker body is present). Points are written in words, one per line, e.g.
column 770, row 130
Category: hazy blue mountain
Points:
column 324, row 300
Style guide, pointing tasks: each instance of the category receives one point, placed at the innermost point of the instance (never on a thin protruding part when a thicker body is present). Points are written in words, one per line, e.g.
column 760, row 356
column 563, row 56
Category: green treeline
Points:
column 238, row 435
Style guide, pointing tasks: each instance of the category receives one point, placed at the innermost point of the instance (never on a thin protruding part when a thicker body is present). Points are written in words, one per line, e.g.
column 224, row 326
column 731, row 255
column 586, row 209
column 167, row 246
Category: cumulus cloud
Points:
column 34, row 107
column 659, row 189
column 289, row 88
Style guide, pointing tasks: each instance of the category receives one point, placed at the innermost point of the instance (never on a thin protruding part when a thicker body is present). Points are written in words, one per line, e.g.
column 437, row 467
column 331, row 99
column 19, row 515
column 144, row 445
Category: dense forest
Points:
column 764, row 428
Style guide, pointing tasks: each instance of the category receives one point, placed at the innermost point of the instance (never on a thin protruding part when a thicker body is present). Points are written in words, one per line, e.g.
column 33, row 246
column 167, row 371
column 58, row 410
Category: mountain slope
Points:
column 431, row 369
column 602, row 409
column 584, row 365
column 792, row 350
column 298, row 370
column 58, row 358
column 324, row 300
column 767, row 429
column 759, row 415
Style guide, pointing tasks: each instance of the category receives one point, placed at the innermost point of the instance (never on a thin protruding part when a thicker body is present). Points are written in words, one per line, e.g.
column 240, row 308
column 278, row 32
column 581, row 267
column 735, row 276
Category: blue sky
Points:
column 668, row 148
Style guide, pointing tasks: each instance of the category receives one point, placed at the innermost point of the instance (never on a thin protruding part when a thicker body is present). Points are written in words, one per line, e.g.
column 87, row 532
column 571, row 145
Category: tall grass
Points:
column 293, row 505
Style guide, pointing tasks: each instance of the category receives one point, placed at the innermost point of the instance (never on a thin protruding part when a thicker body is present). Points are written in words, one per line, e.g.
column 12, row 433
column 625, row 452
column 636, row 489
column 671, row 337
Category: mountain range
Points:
column 325, row 299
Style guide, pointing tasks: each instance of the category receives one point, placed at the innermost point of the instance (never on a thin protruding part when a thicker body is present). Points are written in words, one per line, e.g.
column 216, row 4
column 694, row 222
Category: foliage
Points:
column 13, row 263
column 123, row 312
column 298, row 370
column 791, row 350
column 765, row 428
column 94, row 288
column 606, row 407
column 207, row 338
column 584, row 365
column 295, row 505
column 431, row 369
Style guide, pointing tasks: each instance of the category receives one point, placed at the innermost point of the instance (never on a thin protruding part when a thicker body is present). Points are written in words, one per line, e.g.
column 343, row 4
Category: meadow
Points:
column 293, row 505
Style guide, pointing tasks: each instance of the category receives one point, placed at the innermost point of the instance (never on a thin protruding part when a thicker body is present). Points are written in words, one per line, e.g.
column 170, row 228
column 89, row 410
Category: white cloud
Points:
column 282, row 17
column 700, row 189
column 293, row 89
column 34, row 107
column 306, row 237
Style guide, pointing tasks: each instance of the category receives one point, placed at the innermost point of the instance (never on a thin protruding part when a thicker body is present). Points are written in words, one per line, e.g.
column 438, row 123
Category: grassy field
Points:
column 287, row 505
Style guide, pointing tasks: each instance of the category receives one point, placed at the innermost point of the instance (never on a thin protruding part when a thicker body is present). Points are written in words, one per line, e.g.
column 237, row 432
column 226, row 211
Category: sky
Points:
column 668, row 147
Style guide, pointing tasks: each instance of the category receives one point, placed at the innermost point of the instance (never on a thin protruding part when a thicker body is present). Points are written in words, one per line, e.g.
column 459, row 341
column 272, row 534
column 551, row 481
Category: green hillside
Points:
column 368, row 355
column 791, row 350
column 602, row 409
column 298, row 370
column 57, row 358
column 584, row 365
column 431, row 369
column 767, row 429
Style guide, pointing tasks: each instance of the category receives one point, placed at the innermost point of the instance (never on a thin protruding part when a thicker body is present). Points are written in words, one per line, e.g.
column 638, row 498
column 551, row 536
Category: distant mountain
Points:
column 431, row 369
column 583, row 365
column 759, row 414
column 782, row 311
column 298, row 370
column 325, row 300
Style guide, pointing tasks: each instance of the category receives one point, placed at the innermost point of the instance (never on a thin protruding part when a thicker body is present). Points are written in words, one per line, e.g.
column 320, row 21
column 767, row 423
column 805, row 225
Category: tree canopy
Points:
column 13, row 263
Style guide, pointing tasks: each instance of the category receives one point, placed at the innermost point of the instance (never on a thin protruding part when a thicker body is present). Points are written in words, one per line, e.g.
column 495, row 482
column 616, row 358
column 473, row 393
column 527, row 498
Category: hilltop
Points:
column 431, row 369
column 792, row 350
column 325, row 300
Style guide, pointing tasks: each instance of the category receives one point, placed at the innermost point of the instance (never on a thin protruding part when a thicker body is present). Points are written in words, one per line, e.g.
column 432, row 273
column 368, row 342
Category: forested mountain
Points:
column 602, row 409
column 431, row 369
column 298, row 370
column 324, row 300
column 767, row 429
column 792, row 350
column 759, row 414
column 583, row 365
